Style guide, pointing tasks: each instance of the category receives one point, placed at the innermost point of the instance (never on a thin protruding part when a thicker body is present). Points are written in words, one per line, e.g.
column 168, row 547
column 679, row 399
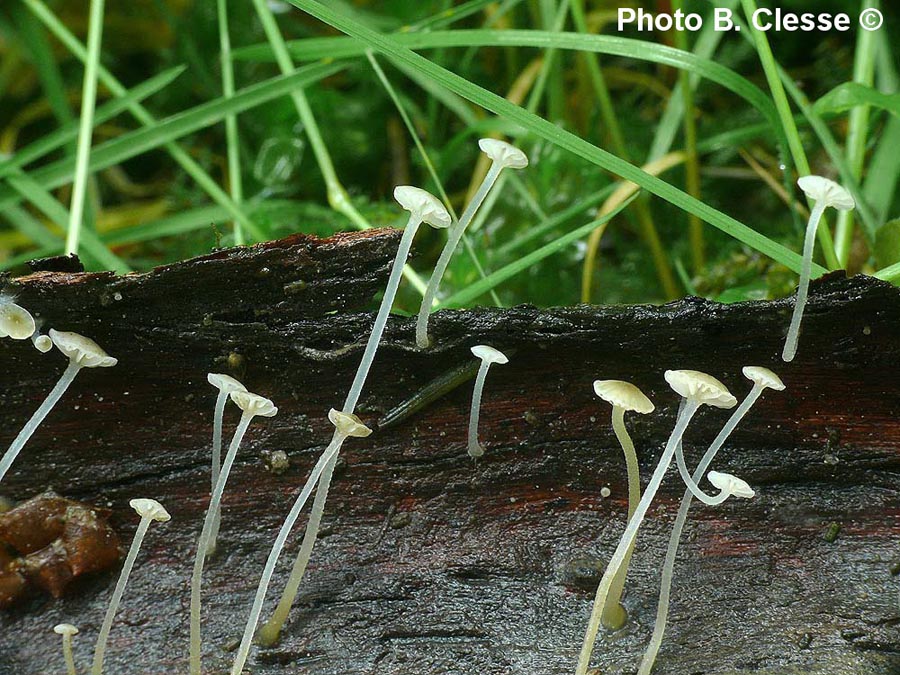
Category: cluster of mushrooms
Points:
column 696, row 389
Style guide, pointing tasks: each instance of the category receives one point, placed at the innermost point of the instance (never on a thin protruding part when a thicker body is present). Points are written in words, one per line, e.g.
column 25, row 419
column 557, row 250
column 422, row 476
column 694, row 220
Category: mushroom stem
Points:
column 474, row 447
column 243, row 650
column 627, row 540
column 100, row 649
column 270, row 632
column 384, row 310
column 205, row 535
column 52, row 398
column 793, row 334
column 453, row 236
column 662, row 610
column 68, row 656
column 614, row 615
column 218, row 417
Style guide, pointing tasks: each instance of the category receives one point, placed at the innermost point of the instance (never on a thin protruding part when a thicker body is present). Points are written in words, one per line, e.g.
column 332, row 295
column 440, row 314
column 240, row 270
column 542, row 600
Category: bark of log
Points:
column 430, row 563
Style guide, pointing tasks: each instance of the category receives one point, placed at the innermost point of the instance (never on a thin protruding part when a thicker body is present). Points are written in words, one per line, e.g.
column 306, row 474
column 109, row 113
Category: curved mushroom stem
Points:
column 31, row 426
column 453, row 236
column 627, row 540
column 218, row 417
column 390, row 291
column 474, row 447
column 243, row 650
column 202, row 546
column 68, row 656
column 614, row 614
column 692, row 486
column 270, row 631
column 103, row 636
column 809, row 242
column 662, row 609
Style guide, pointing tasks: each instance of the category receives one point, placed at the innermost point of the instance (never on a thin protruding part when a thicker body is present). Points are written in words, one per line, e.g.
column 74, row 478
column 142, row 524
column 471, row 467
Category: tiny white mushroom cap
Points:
column 763, row 377
column 82, row 350
column 65, row 629
column 701, row 387
column 489, row 354
column 348, row 424
column 423, row 204
column 731, row 485
column 15, row 322
column 43, row 343
column 150, row 508
column 508, row 156
column 254, row 403
column 819, row 188
column 224, row 383
column 623, row 395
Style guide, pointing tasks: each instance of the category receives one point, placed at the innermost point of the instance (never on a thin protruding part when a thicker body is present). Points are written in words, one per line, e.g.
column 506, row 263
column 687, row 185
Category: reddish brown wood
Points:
column 430, row 563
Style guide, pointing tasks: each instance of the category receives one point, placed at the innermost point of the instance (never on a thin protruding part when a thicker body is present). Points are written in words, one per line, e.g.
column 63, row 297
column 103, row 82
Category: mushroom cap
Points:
column 65, row 629
column 423, row 204
column 224, row 383
column 820, row 188
column 254, row 403
column 150, row 508
column 82, row 350
column 43, row 343
column 489, row 354
column 692, row 384
column 508, row 156
column 763, row 377
column 623, row 395
column 731, row 485
column 348, row 424
column 15, row 322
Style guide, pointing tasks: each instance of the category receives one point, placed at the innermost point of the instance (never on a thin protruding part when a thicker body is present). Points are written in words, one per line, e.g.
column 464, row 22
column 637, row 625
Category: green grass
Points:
column 402, row 96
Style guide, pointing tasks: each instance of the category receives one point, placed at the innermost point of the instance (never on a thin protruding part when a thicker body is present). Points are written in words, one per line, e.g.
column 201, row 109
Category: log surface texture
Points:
column 430, row 563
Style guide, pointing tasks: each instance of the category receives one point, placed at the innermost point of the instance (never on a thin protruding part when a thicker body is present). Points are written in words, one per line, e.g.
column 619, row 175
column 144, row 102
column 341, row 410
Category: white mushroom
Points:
column 502, row 155
column 423, row 207
column 225, row 384
column 696, row 389
column 488, row 356
column 15, row 322
column 762, row 379
column 252, row 405
column 624, row 397
column 82, row 353
column 346, row 424
column 67, row 630
column 41, row 342
column 825, row 193
column 149, row 510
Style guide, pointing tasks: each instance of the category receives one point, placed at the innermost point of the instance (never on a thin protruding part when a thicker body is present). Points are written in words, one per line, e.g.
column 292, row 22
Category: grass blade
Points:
column 554, row 134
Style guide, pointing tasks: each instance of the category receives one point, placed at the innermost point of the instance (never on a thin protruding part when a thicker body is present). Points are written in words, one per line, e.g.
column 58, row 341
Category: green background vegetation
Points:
column 738, row 152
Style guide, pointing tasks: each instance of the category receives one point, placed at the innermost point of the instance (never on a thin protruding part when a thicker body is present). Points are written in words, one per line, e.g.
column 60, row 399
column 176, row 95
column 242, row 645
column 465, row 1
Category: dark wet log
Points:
column 430, row 563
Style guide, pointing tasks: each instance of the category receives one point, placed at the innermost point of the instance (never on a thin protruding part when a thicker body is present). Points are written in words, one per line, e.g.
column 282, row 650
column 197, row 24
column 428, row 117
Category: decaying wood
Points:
column 431, row 563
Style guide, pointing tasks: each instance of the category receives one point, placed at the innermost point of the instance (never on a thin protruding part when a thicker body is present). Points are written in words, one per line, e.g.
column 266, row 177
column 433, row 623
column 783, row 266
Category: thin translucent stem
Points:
column 454, row 235
column 271, row 630
column 100, row 649
column 68, row 657
column 31, row 426
column 614, row 615
column 627, row 540
column 809, row 242
column 475, row 448
column 662, row 609
column 384, row 310
column 243, row 650
column 692, row 486
column 197, row 575
column 218, row 418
